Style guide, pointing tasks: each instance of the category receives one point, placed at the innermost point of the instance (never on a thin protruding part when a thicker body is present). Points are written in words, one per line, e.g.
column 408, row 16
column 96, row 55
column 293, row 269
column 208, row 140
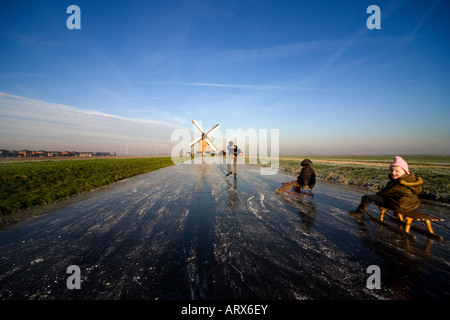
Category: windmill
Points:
column 205, row 145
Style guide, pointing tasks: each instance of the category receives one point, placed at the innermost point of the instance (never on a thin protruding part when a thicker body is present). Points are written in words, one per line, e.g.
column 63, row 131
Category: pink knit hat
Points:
column 399, row 162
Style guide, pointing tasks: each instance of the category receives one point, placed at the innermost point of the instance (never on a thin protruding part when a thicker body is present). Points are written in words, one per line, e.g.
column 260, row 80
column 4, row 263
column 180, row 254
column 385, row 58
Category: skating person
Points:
column 401, row 192
column 233, row 152
column 306, row 179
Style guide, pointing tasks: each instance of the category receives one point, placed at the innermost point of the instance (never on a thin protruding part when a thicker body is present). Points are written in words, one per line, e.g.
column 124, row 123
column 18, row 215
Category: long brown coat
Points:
column 402, row 194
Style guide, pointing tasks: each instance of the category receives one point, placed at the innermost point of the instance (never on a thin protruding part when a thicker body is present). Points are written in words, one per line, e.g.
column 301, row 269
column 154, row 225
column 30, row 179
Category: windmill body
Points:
column 204, row 143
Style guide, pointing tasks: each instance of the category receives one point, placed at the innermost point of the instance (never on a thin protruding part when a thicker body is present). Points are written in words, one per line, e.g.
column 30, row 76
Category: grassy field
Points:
column 371, row 171
column 442, row 161
column 28, row 184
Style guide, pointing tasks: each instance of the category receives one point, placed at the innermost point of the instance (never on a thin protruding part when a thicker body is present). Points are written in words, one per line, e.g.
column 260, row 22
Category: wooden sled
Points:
column 407, row 218
column 299, row 192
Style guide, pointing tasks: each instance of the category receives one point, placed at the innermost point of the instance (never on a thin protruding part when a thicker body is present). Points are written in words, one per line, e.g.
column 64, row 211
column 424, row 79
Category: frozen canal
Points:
column 187, row 232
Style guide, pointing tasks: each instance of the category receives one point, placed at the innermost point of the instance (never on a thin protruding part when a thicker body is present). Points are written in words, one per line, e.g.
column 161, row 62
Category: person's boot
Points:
column 359, row 210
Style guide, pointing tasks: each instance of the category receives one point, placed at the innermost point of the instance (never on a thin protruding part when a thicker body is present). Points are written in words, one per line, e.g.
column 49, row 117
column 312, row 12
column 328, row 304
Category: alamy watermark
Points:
column 74, row 20
column 374, row 20
column 374, row 281
column 74, row 280
column 258, row 147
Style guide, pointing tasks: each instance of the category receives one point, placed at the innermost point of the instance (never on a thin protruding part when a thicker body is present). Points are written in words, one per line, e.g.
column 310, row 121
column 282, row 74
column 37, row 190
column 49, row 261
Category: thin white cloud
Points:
column 246, row 86
column 344, row 46
column 243, row 86
column 34, row 124
column 267, row 53
column 424, row 17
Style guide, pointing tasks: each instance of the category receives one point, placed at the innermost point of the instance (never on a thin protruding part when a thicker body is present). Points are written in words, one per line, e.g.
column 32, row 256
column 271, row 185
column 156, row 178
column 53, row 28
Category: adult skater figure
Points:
column 233, row 152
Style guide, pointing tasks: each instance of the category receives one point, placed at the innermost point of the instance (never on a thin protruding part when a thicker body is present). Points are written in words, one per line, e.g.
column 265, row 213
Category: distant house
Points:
column 85, row 154
column 53, row 153
column 25, row 153
column 13, row 153
column 43, row 153
column 39, row 153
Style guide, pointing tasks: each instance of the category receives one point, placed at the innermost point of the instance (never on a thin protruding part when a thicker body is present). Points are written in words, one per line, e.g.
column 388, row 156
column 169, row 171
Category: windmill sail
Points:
column 204, row 143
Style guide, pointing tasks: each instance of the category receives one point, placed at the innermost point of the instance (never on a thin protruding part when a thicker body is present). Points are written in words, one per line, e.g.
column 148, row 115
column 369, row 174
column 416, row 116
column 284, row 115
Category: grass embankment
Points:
column 27, row 184
column 371, row 171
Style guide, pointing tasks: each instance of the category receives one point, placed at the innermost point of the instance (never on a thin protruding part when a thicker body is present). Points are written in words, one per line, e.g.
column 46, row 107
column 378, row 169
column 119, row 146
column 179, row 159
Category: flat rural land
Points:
column 187, row 232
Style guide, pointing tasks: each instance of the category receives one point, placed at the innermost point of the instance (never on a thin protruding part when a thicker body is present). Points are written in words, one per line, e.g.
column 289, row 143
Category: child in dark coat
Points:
column 306, row 179
column 401, row 192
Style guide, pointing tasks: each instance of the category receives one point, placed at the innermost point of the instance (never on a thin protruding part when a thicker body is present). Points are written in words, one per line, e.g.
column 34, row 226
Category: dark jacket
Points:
column 307, row 177
column 233, row 150
column 403, row 193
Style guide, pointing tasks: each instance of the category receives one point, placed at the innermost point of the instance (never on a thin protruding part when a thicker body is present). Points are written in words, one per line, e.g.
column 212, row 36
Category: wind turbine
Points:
column 204, row 138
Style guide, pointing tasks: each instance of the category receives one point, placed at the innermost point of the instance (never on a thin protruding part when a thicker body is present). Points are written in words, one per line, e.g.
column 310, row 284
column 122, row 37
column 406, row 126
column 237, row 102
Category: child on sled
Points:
column 401, row 192
column 306, row 179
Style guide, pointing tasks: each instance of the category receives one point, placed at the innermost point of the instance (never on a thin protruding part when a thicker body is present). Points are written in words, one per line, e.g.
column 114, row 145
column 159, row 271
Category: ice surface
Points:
column 188, row 232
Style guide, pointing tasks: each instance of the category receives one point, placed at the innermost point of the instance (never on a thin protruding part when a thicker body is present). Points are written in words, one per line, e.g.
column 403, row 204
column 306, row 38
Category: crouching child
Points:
column 306, row 179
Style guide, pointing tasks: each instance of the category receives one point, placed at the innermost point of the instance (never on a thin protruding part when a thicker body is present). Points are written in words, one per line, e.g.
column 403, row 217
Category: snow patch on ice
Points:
column 253, row 207
column 37, row 261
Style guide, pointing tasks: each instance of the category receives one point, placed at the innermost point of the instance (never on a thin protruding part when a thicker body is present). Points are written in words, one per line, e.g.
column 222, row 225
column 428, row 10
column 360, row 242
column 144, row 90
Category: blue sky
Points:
column 311, row 69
